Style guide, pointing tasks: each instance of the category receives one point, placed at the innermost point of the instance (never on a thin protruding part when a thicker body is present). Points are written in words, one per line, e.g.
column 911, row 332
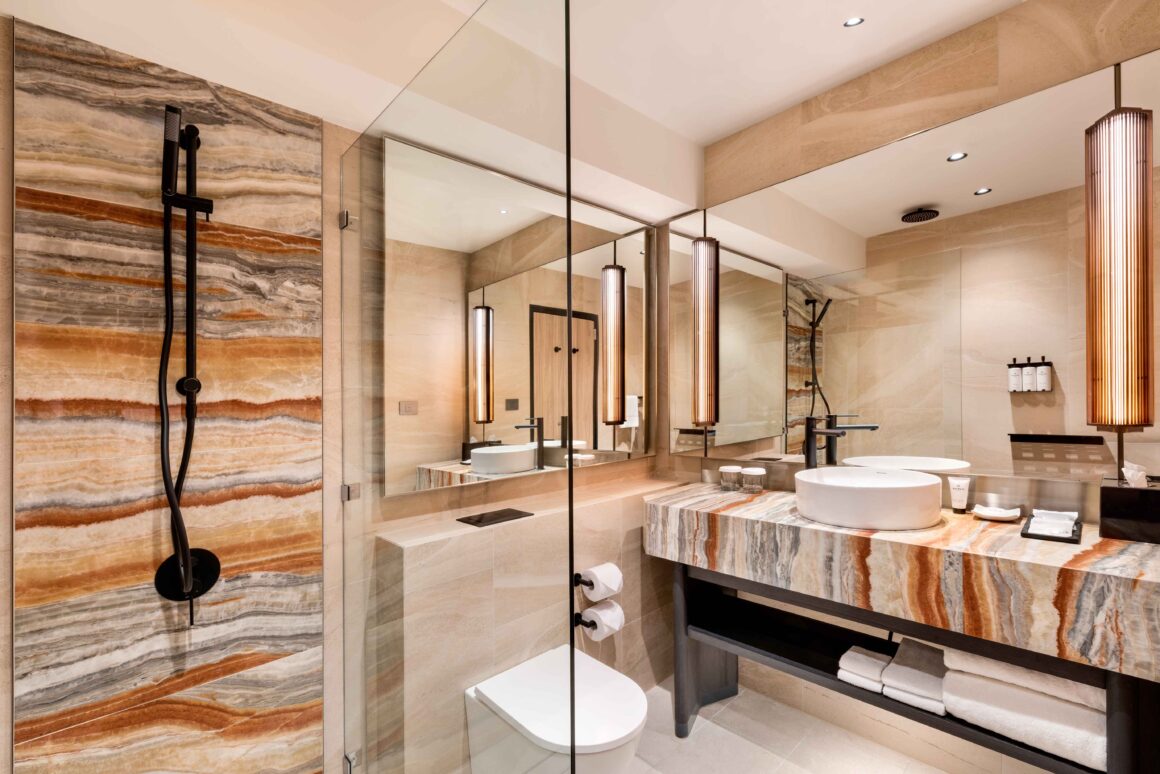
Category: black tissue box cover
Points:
column 1129, row 513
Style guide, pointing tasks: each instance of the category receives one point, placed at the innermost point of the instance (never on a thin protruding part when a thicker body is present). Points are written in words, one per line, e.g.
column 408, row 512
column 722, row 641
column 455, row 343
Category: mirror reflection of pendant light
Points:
column 482, row 358
column 1119, row 270
column 705, row 330
column 612, row 314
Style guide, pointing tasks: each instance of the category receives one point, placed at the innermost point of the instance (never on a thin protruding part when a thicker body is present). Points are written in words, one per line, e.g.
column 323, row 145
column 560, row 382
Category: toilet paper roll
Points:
column 608, row 617
column 607, row 579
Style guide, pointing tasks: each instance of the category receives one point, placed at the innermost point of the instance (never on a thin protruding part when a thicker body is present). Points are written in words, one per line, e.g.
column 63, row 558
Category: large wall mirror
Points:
column 752, row 295
column 460, row 238
column 944, row 257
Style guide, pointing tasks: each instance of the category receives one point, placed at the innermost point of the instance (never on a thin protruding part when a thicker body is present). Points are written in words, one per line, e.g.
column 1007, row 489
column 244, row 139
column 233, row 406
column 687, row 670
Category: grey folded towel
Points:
column 918, row 669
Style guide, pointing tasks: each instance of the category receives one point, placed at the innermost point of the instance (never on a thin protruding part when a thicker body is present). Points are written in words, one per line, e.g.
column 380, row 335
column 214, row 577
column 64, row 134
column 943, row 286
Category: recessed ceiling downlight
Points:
column 920, row 215
column 957, row 156
column 853, row 21
column 503, row 212
column 983, row 191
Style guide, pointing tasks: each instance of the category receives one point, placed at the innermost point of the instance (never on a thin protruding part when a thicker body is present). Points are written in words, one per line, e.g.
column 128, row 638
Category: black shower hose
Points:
column 173, row 490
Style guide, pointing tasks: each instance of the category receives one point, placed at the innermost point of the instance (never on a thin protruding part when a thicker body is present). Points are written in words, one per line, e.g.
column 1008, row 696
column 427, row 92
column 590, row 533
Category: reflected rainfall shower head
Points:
column 920, row 215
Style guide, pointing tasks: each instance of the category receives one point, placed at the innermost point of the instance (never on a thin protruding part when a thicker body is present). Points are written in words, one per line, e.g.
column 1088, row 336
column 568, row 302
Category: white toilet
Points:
column 519, row 720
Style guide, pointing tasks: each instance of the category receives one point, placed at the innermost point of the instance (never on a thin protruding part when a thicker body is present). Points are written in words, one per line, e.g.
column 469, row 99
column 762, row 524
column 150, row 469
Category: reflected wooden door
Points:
column 549, row 348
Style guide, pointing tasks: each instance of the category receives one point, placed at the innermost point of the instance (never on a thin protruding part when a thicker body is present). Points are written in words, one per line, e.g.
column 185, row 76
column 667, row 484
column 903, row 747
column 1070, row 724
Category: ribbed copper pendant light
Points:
column 706, row 366
column 1119, row 194
column 482, row 359
column 612, row 313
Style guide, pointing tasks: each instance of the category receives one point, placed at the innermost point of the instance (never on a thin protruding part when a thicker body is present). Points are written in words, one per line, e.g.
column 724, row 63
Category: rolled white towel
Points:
column 918, row 669
column 1069, row 730
column 914, row 700
column 1059, row 687
column 858, row 680
column 864, row 663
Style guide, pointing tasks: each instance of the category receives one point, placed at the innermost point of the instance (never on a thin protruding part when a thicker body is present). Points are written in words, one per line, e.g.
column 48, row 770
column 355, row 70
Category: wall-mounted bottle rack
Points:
column 1028, row 376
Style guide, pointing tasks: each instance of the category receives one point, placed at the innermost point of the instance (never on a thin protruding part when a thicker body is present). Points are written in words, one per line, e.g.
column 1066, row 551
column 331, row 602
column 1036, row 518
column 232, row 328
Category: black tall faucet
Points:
column 537, row 424
column 832, row 424
column 833, row 431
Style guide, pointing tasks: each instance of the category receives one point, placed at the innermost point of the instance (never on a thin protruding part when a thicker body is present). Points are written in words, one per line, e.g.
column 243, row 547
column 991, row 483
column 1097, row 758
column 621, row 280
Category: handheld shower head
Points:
column 170, row 152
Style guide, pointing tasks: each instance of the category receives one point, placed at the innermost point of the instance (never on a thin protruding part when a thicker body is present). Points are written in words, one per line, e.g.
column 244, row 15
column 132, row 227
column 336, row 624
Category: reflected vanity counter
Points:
column 455, row 472
column 1096, row 602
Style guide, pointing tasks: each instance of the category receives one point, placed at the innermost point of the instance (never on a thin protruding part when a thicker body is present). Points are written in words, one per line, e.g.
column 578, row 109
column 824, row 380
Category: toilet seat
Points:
column 533, row 698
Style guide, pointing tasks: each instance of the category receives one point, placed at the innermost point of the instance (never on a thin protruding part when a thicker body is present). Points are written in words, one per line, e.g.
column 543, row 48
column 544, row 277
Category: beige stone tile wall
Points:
column 451, row 605
column 424, row 358
column 1022, row 288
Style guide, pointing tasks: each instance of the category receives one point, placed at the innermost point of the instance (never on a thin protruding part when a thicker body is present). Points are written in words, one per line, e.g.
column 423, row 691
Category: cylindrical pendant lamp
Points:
column 705, row 278
column 482, row 371
column 1119, row 270
column 612, row 314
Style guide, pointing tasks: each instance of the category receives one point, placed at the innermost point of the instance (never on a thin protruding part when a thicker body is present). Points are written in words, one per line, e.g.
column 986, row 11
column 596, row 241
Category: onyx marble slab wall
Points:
column 108, row 677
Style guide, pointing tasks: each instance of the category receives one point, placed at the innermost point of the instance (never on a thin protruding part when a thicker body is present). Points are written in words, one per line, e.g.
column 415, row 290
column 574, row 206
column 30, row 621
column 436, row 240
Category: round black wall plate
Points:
column 206, row 571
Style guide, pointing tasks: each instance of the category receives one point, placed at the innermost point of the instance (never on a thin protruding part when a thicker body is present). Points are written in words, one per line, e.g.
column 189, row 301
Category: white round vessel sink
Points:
column 869, row 498
column 493, row 460
column 902, row 462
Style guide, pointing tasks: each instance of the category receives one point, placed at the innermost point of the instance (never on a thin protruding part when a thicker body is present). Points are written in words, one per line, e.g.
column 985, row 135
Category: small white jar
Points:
column 752, row 480
column 730, row 477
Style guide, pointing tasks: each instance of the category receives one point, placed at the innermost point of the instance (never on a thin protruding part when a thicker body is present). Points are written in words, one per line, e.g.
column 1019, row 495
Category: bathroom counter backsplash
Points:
column 1096, row 602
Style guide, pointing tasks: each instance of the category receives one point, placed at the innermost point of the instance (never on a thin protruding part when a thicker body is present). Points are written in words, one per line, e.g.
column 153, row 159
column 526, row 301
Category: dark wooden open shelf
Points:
column 810, row 649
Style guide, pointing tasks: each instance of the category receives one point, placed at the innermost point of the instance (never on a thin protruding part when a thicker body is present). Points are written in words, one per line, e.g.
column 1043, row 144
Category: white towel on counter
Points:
column 918, row 669
column 864, row 663
column 914, row 700
column 1059, row 687
column 1069, row 730
column 859, row 681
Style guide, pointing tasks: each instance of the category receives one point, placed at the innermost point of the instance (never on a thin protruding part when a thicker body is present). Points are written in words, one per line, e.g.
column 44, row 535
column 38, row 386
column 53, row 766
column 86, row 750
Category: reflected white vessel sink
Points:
column 556, row 444
column 869, row 498
column 503, row 459
column 901, row 462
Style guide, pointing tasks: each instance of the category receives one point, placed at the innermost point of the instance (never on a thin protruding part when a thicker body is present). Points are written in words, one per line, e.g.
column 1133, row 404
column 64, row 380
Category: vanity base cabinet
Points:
column 713, row 627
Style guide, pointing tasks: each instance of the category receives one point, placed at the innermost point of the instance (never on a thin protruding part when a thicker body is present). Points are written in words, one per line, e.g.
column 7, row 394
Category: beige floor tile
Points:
column 716, row 750
column 828, row 748
column 767, row 723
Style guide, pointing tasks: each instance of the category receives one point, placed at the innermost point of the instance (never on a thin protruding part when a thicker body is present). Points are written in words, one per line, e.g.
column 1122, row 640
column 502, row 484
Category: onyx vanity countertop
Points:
column 1096, row 602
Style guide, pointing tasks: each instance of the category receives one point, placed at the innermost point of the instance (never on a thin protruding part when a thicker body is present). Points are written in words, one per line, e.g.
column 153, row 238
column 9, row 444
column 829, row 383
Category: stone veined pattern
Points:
column 1097, row 602
column 108, row 677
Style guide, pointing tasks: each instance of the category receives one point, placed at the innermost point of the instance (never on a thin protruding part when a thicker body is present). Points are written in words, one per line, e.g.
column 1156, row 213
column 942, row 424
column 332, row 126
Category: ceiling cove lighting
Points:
column 706, row 319
column 612, row 314
column 957, row 156
column 983, row 191
column 853, row 21
column 482, row 360
column 1118, row 193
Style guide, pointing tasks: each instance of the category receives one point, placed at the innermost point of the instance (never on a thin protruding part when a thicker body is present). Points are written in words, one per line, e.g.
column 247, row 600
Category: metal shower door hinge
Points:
column 351, row 492
column 350, row 761
column 345, row 219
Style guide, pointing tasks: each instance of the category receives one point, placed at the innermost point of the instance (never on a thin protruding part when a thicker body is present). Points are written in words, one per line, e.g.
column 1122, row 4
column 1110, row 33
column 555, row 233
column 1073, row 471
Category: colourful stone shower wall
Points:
column 108, row 677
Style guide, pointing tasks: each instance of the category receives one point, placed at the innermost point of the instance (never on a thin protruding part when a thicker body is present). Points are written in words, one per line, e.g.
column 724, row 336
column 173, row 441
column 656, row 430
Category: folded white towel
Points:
column 914, row 700
column 1059, row 687
column 1063, row 728
column 917, row 668
column 858, row 680
column 864, row 663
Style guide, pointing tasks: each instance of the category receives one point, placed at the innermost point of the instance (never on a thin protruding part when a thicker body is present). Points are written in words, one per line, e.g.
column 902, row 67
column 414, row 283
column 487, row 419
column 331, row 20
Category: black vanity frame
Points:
column 712, row 627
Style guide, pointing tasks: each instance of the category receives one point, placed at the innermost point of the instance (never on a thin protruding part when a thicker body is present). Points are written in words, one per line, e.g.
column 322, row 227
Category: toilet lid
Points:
column 533, row 697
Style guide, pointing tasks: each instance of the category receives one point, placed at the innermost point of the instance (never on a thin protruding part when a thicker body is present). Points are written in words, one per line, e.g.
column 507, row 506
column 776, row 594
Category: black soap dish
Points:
column 1076, row 532
column 493, row 517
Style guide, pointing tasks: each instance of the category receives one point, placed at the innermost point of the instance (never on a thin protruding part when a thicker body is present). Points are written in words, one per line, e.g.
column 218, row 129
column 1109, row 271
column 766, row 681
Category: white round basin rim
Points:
column 907, row 462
